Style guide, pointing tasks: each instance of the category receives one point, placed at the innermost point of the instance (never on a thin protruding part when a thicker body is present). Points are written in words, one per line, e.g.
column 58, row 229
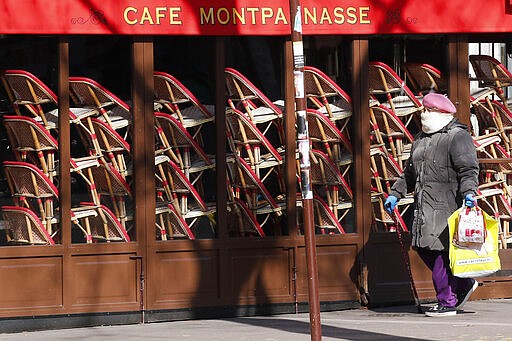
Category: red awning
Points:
column 253, row 17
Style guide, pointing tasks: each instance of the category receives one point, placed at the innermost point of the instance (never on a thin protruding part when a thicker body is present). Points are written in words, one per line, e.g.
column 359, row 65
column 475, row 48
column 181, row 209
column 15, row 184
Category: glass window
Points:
column 29, row 141
column 101, row 137
column 329, row 114
column 400, row 73
column 185, row 140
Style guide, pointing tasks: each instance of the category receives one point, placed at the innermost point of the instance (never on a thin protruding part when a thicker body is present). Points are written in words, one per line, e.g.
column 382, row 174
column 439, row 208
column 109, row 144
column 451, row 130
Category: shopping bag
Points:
column 477, row 260
column 470, row 231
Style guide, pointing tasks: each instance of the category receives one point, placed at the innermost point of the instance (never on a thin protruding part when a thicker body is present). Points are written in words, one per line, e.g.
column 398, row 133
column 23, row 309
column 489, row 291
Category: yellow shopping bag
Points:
column 478, row 260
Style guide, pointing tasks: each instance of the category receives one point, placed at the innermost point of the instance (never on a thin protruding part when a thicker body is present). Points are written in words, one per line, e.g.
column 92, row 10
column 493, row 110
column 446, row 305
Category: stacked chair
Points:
column 329, row 110
column 182, row 165
column 180, row 207
column 491, row 106
column 331, row 187
column 394, row 117
column 394, row 112
column 25, row 227
column 106, row 144
column 244, row 96
column 110, row 189
column 37, row 195
column 265, row 207
column 88, row 94
column 327, row 97
column 29, row 96
column 325, row 220
column 424, row 78
column 31, row 141
column 33, row 190
column 325, row 136
column 385, row 171
column 242, row 222
column 389, row 131
column 33, row 134
column 494, row 118
column 492, row 74
column 255, row 165
column 249, row 143
column 391, row 91
column 175, row 141
column 255, row 138
column 177, row 100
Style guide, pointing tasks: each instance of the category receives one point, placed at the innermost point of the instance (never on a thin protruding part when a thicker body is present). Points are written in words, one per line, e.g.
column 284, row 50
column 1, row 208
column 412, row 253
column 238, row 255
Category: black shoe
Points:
column 463, row 297
column 440, row 310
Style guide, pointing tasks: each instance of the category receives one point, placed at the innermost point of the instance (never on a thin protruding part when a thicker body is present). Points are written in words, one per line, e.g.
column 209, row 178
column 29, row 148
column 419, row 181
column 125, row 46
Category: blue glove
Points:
column 470, row 200
column 390, row 203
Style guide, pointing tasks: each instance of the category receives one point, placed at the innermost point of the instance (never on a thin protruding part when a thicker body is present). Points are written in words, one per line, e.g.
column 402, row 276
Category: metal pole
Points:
column 305, row 167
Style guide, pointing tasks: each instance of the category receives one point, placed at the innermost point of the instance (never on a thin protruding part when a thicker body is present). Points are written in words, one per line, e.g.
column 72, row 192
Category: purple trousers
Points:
column 446, row 285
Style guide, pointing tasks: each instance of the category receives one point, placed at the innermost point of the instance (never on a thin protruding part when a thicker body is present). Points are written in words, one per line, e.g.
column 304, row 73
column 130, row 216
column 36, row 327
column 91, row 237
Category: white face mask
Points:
column 432, row 121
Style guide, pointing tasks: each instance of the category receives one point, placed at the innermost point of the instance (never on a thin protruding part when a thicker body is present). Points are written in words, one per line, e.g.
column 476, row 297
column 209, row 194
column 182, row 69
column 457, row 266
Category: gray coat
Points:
column 441, row 170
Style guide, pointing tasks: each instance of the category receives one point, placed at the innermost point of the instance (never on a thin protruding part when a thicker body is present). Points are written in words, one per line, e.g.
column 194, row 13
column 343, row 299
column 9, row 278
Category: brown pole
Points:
column 305, row 168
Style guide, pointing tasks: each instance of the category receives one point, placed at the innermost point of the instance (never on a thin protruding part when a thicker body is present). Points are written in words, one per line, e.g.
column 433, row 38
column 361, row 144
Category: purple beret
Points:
column 439, row 103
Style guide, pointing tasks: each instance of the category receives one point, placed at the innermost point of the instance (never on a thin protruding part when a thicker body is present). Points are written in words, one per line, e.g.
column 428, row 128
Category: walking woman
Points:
column 442, row 171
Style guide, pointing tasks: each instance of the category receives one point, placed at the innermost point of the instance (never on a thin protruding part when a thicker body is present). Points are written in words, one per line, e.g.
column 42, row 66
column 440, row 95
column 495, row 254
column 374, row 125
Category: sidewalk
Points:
column 481, row 320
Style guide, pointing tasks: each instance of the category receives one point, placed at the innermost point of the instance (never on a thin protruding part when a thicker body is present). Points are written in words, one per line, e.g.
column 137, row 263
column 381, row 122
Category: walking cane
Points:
column 405, row 256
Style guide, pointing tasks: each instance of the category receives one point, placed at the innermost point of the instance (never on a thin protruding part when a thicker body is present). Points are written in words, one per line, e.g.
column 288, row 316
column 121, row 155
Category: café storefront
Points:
column 214, row 264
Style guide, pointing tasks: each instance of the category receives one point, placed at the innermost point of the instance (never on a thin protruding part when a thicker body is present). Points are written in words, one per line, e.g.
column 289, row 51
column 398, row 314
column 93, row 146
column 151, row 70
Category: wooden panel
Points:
column 260, row 275
column 493, row 289
column 388, row 280
column 103, row 279
column 335, row 266
column 506, row 259
column 185, row 277
column 29, row 283
column 387, row 275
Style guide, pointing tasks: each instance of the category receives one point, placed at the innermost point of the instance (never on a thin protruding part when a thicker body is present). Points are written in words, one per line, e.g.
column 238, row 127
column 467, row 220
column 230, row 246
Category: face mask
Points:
column 432, row 121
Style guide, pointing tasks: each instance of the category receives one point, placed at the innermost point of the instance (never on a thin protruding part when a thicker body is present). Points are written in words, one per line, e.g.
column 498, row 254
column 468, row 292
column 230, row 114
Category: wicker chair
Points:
column 493, row 200
column 330, row 185
column 31, row 97
column 173, row 188
column 109, row 188
column 424, row 78
column 264, row 205
column 327, row 97
column 386, row 84
column 383, row 221
column 32, row 189
column 385, row 171
column 179, row 101
column 32, row 142
column 494, row 117
column 88, row 94
column 176, row 142
column 493, row 74
column 98, row 224
column 241, row 220
column 106, row 144
column 24, row 227
column 246, row 141
column 171, row 225
column 246, row 97
column 488, row 147
column 325, row 220
column 325, row 136
column 389, row 131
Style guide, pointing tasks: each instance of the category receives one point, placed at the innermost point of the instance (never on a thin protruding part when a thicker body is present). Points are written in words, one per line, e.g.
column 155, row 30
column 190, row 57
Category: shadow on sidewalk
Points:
column 300, row 327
